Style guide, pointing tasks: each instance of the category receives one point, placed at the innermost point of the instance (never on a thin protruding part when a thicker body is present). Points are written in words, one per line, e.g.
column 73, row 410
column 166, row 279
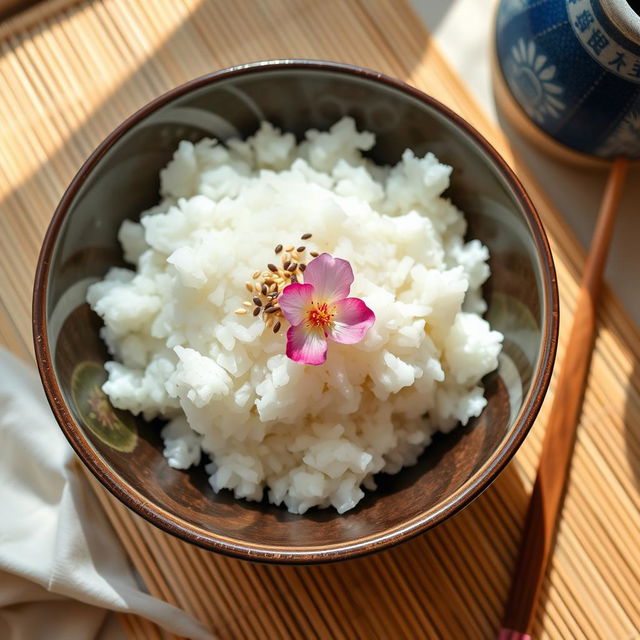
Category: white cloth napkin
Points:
column 61, row 564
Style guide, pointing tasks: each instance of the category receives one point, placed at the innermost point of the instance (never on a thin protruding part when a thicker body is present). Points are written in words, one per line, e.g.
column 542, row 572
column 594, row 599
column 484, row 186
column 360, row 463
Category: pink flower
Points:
column 320, row 309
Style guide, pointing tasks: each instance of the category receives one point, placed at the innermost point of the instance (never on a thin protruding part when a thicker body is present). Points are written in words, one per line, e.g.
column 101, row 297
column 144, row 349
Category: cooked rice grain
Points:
column 312, row 436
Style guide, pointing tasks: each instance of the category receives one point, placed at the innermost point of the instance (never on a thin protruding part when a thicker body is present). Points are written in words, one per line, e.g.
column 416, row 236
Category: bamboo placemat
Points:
column 68, row 77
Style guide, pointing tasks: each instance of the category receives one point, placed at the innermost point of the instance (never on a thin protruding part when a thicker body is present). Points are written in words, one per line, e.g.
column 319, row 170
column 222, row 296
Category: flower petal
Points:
column 293, row 301
column 558, row 104
column 352, row 321
column 547, row 73
column 550, row 87
column 531, row 52
column 539, row 63
column 331, row 278
column 523, row 49
column 306, row 345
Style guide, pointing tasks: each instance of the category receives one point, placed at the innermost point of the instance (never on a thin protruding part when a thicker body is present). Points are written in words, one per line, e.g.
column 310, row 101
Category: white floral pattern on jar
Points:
column 530, row 77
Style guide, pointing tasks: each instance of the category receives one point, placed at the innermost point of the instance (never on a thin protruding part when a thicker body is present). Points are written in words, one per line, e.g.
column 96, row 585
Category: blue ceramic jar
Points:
column 573, row 66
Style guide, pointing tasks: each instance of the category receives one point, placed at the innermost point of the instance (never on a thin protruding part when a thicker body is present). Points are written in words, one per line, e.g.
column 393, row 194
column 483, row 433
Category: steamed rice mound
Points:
column 310, row 435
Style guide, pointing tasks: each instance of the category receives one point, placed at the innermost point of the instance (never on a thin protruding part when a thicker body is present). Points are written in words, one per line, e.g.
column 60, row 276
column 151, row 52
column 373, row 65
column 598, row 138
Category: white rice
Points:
column 311, row 435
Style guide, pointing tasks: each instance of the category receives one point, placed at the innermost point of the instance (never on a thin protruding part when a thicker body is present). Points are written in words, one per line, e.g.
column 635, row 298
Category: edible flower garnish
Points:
column 320, row 309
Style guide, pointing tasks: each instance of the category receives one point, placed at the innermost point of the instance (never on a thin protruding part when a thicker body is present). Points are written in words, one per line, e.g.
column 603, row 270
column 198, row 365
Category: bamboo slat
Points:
column 71, row 71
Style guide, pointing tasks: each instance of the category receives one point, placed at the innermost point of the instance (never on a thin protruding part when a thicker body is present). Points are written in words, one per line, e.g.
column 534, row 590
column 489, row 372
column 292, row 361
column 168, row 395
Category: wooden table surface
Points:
column 71, row 71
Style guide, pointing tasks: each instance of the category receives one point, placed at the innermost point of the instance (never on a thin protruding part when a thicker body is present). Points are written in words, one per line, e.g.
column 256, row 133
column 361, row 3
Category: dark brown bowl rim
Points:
column 297, row 554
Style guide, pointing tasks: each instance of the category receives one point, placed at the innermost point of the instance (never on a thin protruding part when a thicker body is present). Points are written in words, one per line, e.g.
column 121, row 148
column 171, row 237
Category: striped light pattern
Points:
column 70, row 72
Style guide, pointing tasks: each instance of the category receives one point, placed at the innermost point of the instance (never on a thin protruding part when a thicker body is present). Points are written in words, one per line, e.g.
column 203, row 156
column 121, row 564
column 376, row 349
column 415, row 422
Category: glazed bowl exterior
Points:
column 571, row 68
column 120, row 179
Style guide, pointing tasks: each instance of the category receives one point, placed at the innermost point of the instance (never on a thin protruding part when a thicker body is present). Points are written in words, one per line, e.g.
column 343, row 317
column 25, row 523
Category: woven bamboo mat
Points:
column 71, row 71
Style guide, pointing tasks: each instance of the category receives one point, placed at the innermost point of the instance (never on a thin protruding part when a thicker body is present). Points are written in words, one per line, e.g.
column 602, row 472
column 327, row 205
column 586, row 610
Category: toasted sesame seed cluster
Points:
column 268, row 284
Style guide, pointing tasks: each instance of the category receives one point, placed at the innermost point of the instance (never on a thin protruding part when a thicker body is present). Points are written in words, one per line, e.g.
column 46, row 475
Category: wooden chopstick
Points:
column 553, row 469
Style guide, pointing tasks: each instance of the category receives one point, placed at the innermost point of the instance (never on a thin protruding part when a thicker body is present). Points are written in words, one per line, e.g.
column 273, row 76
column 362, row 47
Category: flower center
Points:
column 320, row 315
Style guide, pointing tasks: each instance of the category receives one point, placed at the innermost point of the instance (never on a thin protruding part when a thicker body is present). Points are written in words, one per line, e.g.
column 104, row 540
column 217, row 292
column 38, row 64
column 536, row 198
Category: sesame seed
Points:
column 257, row 286
column 240, row 311
column 286, row 264
column 268, row 282
column 305, row 236
column 315, row 254
column 248, row 286
column 247, row 304
column 292, row 267
column 301, row 249
column 302, row 266
column 255, row 274
column 289, row 248
column 264, row 289
column 256, row 311
column 272, row 310
column 278, row 248
column 273, row 295
column 276, row 327
column 272, row 267
column 257, row 301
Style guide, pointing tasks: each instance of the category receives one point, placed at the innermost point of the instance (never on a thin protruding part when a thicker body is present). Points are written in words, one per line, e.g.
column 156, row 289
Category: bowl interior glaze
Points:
column 121, row 179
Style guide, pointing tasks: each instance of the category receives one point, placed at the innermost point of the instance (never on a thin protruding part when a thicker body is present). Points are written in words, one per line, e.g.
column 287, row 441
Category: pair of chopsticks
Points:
column 553, row 471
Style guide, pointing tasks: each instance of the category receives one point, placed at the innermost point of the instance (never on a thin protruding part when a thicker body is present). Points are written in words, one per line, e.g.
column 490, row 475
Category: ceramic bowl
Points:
column 120, row 179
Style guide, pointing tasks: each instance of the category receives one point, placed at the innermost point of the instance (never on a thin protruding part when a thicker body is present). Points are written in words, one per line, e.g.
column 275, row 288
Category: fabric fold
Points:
column 61, row 563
